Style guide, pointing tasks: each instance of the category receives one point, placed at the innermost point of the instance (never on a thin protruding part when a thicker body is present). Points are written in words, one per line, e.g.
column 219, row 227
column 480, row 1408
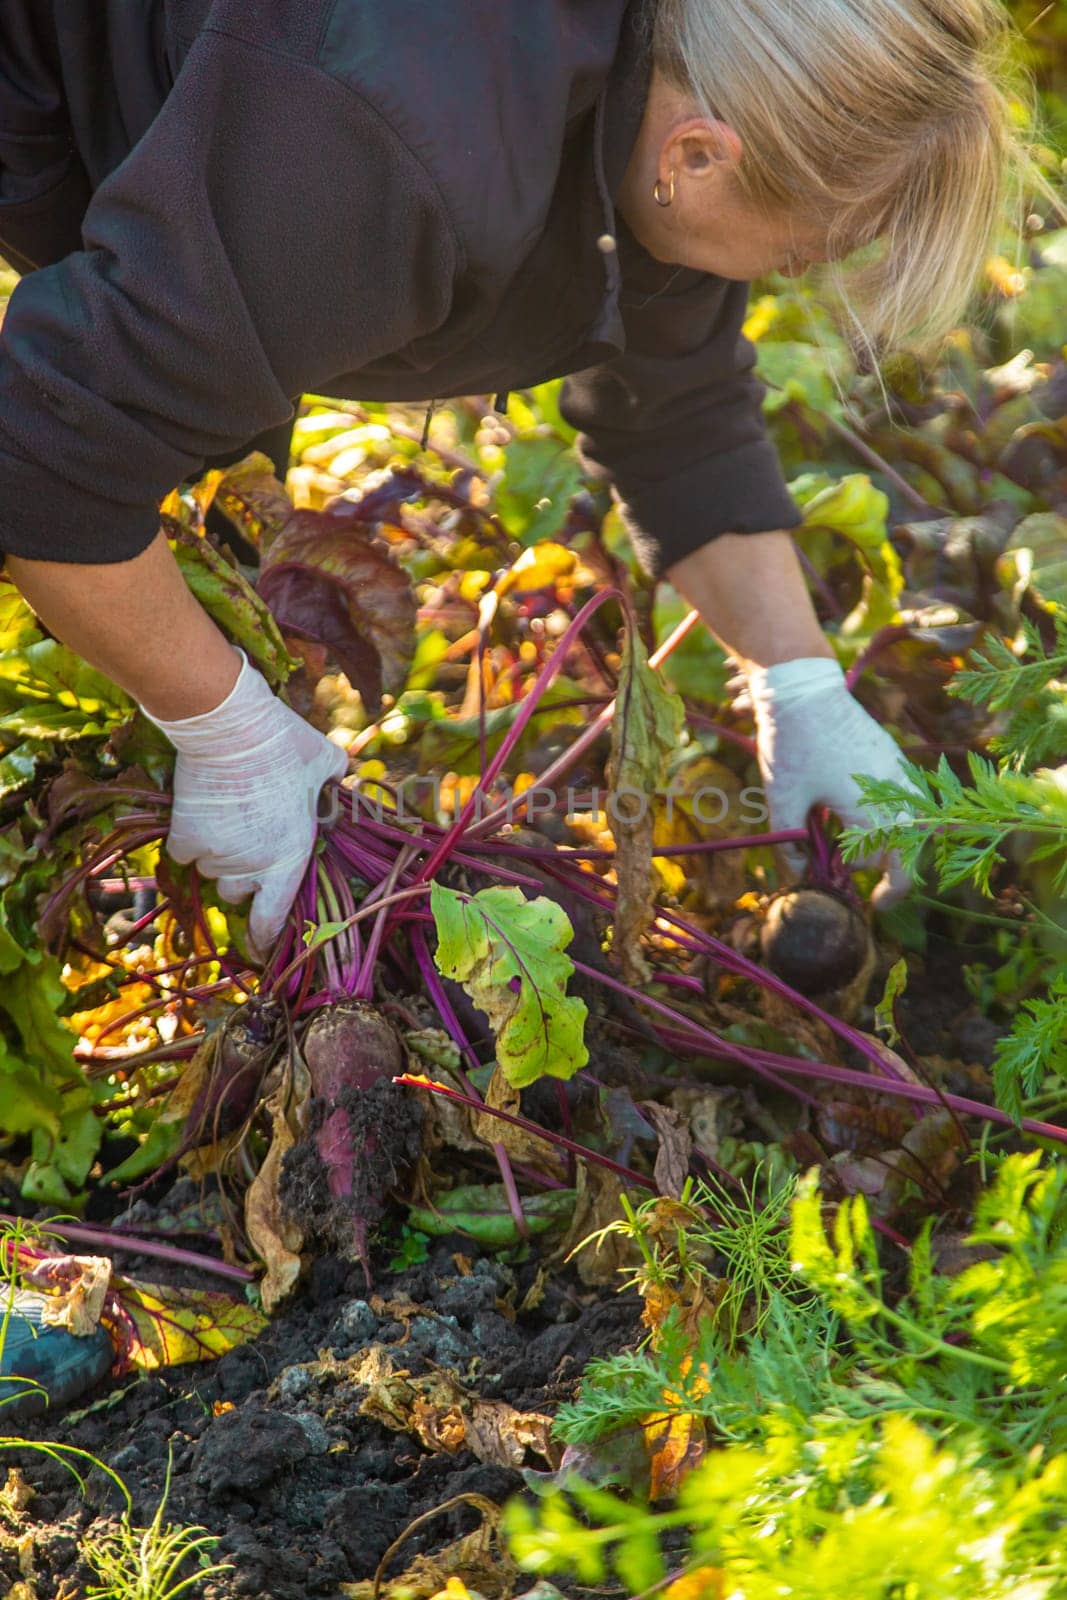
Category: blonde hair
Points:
column 887, row 120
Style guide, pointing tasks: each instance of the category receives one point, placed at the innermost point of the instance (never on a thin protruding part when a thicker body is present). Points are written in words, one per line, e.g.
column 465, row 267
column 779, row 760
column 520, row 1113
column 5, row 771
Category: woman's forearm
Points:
column 138, row 623
column 751, row 592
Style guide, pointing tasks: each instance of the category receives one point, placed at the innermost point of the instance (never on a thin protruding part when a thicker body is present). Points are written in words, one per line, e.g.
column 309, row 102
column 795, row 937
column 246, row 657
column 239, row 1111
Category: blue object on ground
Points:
column 58, row 1366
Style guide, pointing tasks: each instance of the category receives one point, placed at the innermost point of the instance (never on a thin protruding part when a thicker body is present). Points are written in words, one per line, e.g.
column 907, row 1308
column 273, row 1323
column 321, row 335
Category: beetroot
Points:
column 362, row 1129
column 814, row 941
column 227, row 1072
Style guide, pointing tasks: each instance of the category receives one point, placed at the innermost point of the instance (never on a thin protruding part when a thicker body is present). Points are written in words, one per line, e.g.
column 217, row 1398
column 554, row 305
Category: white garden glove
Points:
column 246, row 787
column 811, row 737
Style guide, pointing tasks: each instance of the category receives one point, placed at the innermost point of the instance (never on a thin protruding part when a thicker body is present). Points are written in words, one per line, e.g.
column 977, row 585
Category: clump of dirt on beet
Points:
column 363, row 1130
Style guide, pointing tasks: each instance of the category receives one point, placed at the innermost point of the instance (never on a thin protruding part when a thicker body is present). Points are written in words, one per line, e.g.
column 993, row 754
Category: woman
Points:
column 231, row 203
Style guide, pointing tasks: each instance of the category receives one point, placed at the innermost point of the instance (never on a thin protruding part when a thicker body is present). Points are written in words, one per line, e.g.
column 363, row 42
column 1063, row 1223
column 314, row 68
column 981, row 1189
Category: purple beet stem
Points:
column 102, row 1239
column 451, row 1021
column 442, row 843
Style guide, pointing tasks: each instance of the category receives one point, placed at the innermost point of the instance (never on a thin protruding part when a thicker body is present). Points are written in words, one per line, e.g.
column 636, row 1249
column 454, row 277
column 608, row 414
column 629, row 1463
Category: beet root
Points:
column 363, row 1129
column 227, row 1072
column 816, row 942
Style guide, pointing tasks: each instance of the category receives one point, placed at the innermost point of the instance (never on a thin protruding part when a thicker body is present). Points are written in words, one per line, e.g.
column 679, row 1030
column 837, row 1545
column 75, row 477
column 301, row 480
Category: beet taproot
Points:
column 814, row 941
column 363, row 1129
column 222, row 1083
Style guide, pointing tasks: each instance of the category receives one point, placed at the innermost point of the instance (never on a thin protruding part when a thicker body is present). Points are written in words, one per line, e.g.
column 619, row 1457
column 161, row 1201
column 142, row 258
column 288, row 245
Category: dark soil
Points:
column 270, row 1451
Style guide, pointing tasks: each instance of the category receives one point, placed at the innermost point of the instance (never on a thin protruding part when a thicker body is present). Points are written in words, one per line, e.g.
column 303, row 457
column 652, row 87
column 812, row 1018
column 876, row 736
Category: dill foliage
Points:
column 1015, row 804
column 863, row 1444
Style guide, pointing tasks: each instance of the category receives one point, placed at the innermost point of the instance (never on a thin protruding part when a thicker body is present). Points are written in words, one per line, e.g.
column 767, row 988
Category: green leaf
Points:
column 895, row 985
column 645, row 732
column 44, row 1185
column 48, row 692
column 19, row 765
column 159, row 1144
column 797, row 372
column 71, row 1151
column 507, row 952
column 32, row 996
column 481, row 1210
column 18, row 625
column 1036, row 1046
column 696, row 667
column 545, row 400
column 1017, row 1299
column 27, row 1100
column 852, row 507
column 318, row 933
column 541, row 478
column 1035, row 560
column 230, row 599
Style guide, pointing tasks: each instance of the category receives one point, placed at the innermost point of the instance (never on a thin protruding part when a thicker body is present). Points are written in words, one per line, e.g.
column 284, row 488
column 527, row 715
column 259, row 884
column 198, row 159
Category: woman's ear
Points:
column 700, row 147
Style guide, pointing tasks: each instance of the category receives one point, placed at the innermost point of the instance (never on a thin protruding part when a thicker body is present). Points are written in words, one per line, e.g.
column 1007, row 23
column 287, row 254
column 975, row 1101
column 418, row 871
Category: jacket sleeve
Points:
column 267, row 233
column 676, row 423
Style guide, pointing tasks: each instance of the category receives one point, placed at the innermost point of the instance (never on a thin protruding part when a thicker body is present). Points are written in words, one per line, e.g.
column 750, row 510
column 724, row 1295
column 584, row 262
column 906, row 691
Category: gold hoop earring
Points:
column 657, row 191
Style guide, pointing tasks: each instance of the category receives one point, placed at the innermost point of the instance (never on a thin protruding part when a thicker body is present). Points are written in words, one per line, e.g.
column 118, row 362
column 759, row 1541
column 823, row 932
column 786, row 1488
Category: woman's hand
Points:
column 246, row 787
column 249, row 770
column 812, row 736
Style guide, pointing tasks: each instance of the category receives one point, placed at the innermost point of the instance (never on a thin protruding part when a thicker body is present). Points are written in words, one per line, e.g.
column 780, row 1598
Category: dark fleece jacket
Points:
column 233, row 202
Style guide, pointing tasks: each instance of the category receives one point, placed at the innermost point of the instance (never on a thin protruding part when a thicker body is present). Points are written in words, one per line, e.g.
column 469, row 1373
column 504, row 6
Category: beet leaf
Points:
column 156, row 1325
column 508, row 953
column 329, row 579
column 645, row 730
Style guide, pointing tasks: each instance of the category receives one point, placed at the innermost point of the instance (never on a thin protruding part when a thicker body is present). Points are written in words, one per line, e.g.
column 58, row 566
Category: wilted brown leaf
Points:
column 810, row 1033
column 273, row 1234
column 597, row 1204
column 438, row 1426
column 16, row 1494
column 439, row 1412
column 520, row 1145
column 925, row 1159
column 252, row 498
column 894, row 1062
column 500, row 1435
column 711, row 1114
column 675, row 1147
column 75, row 1286
column 676, row 1440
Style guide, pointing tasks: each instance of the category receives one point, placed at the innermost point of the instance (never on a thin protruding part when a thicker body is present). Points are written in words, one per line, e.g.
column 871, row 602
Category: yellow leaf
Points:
column 1005, row 277
column 761, row 317
column 676, row 1444
column 162, row 1326
column 538, row 567
column 703, row 1583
